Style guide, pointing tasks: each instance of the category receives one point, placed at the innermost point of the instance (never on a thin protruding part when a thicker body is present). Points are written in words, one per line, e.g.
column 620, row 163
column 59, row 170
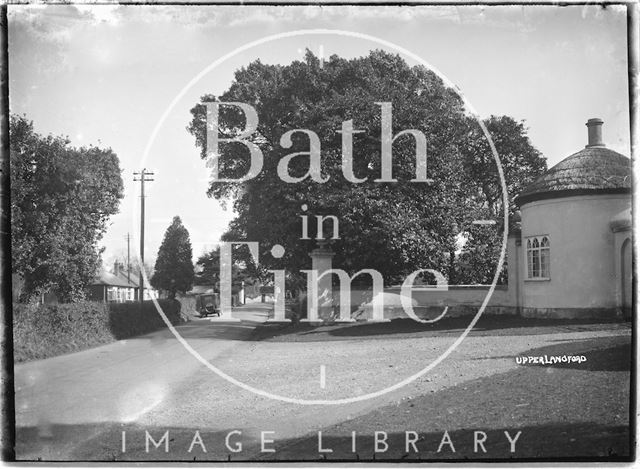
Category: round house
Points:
column 575, row 244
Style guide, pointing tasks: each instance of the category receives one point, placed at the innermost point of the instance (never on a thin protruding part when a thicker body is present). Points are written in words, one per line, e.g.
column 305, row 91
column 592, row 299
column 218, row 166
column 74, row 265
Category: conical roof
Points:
column 593, row 170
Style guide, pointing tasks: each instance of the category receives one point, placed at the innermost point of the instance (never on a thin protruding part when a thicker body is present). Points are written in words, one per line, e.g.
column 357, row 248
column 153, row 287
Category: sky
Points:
column 105, row 75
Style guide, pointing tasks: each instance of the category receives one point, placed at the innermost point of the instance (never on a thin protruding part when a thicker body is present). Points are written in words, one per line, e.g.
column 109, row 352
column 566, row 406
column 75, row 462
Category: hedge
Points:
column 43, row 331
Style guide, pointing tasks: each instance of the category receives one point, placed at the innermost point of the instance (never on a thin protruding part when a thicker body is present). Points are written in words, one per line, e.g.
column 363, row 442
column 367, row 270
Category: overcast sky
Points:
column 104, row 75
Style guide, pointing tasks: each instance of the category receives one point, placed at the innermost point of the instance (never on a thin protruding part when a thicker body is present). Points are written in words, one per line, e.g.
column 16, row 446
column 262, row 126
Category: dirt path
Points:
column 152, row 384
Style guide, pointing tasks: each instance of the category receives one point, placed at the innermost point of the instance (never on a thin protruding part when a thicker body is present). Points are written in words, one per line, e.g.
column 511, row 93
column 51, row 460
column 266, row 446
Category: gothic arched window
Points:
column 538, row 257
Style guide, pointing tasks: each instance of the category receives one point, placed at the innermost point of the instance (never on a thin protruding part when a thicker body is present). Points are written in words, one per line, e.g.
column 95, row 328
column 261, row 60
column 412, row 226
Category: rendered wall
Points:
column 582, row 259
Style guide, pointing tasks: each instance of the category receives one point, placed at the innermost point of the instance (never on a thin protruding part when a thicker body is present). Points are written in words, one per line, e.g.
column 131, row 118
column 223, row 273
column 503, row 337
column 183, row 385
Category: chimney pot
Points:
column 594, row 127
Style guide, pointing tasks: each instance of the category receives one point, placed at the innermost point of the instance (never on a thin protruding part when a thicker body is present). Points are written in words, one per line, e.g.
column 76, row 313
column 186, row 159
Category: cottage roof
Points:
column 111, row 280
column 133, row 279
column 593, row 170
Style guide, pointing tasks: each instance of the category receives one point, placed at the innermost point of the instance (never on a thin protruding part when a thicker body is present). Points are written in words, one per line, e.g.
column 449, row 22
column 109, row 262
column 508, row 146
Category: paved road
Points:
column 118, row 382
column 77, row 405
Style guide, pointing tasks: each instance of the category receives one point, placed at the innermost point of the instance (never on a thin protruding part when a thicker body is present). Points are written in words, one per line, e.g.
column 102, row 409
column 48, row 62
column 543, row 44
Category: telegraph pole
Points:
column 142, row 176
column 128, row 238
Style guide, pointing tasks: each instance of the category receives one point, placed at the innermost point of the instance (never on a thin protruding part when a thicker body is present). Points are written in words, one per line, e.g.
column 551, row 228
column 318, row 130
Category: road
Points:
column 77, row 406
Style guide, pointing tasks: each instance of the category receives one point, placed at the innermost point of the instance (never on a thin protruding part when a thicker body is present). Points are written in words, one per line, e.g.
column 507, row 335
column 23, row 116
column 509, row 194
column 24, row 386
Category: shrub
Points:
column 127, row 320
column 298, row 308
column 42, row 331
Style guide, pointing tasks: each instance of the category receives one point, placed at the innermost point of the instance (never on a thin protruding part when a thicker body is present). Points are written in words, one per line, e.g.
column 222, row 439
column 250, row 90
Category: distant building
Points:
column 111, row 288
column 116, row 287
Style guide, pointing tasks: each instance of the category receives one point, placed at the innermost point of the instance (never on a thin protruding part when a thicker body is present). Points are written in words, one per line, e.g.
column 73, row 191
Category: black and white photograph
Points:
column 319, row 233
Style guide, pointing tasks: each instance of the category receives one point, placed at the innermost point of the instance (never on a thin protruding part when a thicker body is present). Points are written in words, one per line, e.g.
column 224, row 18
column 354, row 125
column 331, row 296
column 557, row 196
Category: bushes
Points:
column 42, row 331
column 298, row 308
column 126, row 320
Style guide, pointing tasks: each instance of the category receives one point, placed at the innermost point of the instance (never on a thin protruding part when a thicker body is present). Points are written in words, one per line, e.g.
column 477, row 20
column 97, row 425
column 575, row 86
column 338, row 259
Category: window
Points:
column 538, row 259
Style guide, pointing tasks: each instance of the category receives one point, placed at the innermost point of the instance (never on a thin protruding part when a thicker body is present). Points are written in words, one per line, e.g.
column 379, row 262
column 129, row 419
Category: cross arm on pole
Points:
column 142, row 176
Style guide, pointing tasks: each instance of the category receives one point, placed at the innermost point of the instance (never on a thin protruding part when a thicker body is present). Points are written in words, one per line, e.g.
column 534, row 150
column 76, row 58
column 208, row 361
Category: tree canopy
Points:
column 208, row 271
column 61, row 199
column 174, row 268
column 521, row 164
column 393, row 227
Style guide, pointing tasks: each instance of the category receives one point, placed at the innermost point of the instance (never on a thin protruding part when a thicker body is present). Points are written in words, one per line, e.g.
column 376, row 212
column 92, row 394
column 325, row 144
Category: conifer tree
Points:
column 174, row 267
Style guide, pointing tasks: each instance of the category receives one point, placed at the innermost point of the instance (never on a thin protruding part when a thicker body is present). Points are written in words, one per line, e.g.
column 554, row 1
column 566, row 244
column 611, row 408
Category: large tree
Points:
column 174, row 267
column 61, row 199
column 208, row 270
column 521, row 164
column 394, row 227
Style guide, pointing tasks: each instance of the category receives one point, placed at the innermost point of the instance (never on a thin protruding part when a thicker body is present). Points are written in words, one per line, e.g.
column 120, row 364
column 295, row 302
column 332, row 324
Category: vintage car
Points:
column 208, row 305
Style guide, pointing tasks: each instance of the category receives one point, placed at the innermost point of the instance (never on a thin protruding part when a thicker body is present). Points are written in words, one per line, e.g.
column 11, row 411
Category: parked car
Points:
column 208, row 305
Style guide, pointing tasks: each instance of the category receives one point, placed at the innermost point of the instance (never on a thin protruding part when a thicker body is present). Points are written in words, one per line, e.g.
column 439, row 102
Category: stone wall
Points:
column 430, row 302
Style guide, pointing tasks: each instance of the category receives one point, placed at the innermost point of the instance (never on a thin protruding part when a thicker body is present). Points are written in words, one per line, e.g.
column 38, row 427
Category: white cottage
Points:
column 574, row 253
